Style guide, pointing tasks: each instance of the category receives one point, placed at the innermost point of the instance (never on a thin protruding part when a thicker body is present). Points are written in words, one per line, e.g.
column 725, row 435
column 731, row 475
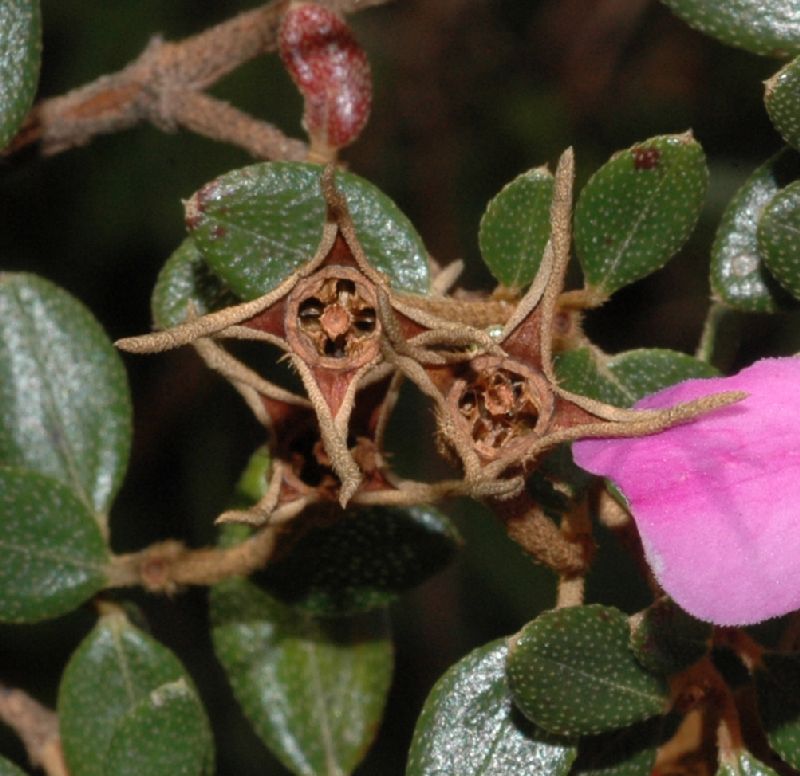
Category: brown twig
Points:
column 164, row 86
column 37, row 728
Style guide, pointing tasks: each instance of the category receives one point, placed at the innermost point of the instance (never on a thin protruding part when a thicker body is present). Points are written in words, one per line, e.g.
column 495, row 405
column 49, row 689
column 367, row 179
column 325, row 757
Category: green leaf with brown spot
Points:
column 52, row 554
column 164, row 733
column 638, row 209
column 666, row 639
column 469, row 726
column 20, row 57
column 771, row 28
column 119, row 684
column 313, row 689
column 739, row 275
column 186, row 285
column 572, row 672
column 779, row 237
column 257, row 225
column 583, row 371
column 66, row 410
column 782, row 99
column 516, row 226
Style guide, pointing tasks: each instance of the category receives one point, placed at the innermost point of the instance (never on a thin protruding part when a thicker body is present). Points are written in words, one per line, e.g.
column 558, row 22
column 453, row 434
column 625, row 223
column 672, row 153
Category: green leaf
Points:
column 739, row 276
column 186, row 283
column 572, row 672
column 63, row 391
column 9, row 769
column 470, row 727
column 117, row 684
column 515, row 228
column 257, row 225
column 764, row 28
column 745, row 765
column 52, row 554
column 667, row 639
column 164, row 733
column 625, row 378
column 638, row 209
column 313, row 689
column 778, row 690
column 781, row 99
column 364, row 560
column 627, row 752
column 20, row 56
column 779, row 237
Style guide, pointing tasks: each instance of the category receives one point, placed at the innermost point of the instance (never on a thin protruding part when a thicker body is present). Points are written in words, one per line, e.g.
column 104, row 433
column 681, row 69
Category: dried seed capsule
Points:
column 331, row 71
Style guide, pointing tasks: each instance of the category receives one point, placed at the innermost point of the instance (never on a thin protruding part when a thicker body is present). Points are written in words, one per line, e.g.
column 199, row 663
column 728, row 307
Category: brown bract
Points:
column 353, row 340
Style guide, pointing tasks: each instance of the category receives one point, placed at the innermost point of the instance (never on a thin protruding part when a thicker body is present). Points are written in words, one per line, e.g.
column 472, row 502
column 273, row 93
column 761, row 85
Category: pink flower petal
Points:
column 717, row 500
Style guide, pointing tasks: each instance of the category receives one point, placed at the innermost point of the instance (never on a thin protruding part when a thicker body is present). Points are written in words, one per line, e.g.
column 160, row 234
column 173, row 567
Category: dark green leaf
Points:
column 313, row 689
column 515, row 228
column 117, row 682
column 470, row 727
column 257, row 225
column 779, row 237
column 52, row 554
column 572, row 672
column 645, row 371
column 20, row 55
column 164, row 733
column 739, row 276
column 186, row 283
column 778, row 688
column 745, row 765
column 764, row 28
column 9, row 769
column 582, row 371
column 781, row 98
column 627, row 752
column 363, row 560
column 63, row 391
column 667, row 639
column 638, row 209
column 625, row 378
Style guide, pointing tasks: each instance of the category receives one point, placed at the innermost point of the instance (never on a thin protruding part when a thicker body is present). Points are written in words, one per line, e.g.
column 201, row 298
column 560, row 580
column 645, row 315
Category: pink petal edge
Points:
column 717, row 500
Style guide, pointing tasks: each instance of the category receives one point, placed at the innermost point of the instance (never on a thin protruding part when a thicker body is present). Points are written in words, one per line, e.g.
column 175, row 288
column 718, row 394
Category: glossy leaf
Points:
column 8, row 768
column 778, row 689
column 186, row 283
column 52, row 554
column 118, row 683
column 20, row 56
column 63, row 391
column 627, row 752
column 638, row 209
column 779, row 237
column 667, row 639
column 625, row 378
column 470, row 727
column 764, row 28
column 739, row 276
column 313, row 689
column 257, row 225
column 166, row 732
column 516, row 226
column 364, row 560
column 783, row 106
column 745, row 764
column 572, row 672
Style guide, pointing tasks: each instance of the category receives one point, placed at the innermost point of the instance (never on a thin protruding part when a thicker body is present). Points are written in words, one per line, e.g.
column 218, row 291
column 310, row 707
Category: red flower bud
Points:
column 331, row 71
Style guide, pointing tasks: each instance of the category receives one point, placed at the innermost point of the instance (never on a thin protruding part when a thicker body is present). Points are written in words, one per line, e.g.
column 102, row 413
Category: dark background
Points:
column 468, row 94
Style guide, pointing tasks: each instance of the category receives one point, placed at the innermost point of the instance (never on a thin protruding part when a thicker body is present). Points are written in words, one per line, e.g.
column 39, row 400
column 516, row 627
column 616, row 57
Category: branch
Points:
column 37, row 728
column 163, row 86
